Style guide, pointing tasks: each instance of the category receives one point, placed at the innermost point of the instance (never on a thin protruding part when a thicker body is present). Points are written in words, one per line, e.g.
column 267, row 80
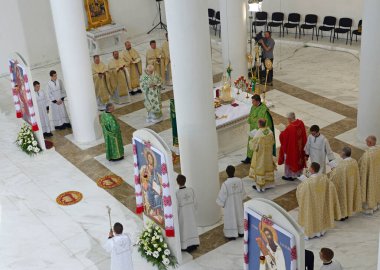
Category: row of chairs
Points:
column 310, row 23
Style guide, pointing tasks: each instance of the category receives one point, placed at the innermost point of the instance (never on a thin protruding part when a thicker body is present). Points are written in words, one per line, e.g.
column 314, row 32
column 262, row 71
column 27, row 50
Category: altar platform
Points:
column 231, row 123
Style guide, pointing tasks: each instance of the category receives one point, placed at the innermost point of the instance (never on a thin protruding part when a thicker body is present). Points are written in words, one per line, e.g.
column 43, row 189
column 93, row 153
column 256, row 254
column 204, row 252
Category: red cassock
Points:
column 293, row 140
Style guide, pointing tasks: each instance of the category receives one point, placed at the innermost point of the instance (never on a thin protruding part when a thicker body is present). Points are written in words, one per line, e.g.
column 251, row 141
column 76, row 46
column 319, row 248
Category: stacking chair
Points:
column 215, row 22
column 261, row 19
column 293, row 22
column 211, row 15
column 310, row 23
column 357, row 32
column 328, row 25
column 344, row 27
column 277, row 21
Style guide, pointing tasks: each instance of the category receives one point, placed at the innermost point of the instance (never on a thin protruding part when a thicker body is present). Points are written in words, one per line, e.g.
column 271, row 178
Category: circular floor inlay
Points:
column 69, row 197
column 109, row 181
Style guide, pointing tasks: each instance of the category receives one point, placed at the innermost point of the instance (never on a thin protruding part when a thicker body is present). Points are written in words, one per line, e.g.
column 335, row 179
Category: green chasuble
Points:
column 174, row 122
column 112, row 136
column 255, row 114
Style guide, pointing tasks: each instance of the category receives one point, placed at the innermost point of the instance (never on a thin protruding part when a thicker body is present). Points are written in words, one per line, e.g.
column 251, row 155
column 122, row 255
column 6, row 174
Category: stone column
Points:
column 369, row 98
column 70, row 31
column 192, row 83
column 233, row 16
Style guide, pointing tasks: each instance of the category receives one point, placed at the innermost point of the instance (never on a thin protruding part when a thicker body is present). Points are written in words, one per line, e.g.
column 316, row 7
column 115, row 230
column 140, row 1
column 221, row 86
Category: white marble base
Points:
column 85, row 146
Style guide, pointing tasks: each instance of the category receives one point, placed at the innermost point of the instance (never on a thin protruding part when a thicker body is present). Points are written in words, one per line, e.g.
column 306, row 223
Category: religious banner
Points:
column 267, row 245
column 22, row 96
column 152, row 185
column 98, row 13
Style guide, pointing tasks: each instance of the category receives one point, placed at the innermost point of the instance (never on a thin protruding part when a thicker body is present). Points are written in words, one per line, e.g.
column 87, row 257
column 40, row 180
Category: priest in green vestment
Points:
column 112, row 134
column 258, row 111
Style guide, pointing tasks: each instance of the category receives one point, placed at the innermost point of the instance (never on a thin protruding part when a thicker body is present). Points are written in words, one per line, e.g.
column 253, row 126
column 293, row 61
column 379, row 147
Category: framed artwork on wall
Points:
column 98, row 13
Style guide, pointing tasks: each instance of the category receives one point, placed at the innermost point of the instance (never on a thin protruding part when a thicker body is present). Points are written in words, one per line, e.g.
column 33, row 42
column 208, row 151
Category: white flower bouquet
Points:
column 27, row 142
column 154, row 249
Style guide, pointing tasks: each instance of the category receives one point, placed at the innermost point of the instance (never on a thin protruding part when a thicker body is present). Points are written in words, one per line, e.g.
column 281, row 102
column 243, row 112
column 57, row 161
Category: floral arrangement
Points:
column 27, row 142
column 153, row 248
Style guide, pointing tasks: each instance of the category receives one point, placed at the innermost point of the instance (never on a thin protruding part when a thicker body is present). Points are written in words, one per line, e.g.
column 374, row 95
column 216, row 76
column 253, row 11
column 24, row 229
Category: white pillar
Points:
column 192, row 83
column 70, row 30
column 233, row 16
column 369, row 98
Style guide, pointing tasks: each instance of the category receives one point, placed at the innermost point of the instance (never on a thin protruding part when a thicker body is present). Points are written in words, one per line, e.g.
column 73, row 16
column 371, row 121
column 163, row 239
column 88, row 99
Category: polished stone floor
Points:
column 317, row 81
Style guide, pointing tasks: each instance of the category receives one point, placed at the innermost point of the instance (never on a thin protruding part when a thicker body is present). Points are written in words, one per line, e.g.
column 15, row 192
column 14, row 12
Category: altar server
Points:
column 187, row 205
column 155, row 57
column 230, row 197
column 317, row 148
column 43, row 109
column 120, row 247
column 327, row 256
column 369, row 166
column 119, row 78
column 101, row 79
column 56, row 94
column 292, row 152
column 262, row 164
column 258, row 111
column 346, row 179
column 318, row 203
column 132, row 61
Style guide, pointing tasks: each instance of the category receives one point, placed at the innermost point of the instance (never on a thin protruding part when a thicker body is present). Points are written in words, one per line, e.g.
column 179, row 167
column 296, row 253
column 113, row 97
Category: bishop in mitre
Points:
column 369, row 166
column 318, row 203
column 119, row 78
column 347, row 183
column 262, row 164
column 132, row 61
column 101, row 78
column 168, row 70
column 155, row 57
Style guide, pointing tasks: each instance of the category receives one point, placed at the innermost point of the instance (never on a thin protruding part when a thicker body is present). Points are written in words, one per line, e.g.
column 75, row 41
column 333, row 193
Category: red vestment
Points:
column 293, row 140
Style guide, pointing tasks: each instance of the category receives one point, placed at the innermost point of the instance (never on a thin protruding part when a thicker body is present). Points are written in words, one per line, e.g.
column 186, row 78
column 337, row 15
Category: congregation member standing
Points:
column 369, row 166
column 258, row 111
column 318, row 203
column 230, row 197
column 262, row 164
column 112, row 134
column 132, row 61
column 155, row 57
column 119, row 245
column 101, row 78
column 346, row 179
column 317, row 148
column 118, row 79
column 292, row 154
column 186, row 215
column 57, row 94
column 43, row 109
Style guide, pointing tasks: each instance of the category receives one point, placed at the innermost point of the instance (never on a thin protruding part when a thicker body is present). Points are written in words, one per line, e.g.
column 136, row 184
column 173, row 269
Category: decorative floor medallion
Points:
column 69, row 197
column 109, row 181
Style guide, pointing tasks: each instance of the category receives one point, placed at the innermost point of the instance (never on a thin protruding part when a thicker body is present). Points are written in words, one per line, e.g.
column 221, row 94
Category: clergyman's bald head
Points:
column 371, row 140
column 291, row 116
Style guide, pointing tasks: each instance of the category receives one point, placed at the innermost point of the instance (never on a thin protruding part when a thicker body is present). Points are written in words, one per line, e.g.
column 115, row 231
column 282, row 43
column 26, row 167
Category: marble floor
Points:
column 316, row 80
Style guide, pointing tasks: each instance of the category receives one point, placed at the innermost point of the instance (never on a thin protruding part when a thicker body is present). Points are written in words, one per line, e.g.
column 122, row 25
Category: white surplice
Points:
column 42, row 104
column 56, row 91
column 186, row 217
column 334, row 265
column 231, row 196
column 317, row 148
column 120, row 247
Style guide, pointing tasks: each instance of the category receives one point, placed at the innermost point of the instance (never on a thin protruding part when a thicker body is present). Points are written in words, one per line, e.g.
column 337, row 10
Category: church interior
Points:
column 329, row 82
